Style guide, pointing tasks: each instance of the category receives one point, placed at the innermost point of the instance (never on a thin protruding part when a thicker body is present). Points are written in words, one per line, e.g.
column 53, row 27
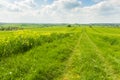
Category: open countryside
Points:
column 60, row 53
column 59, row 39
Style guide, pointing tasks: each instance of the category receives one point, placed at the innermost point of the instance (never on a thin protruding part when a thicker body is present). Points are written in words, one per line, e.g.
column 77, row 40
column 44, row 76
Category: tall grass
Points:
column 23, row 41
column 110, row 47
column 44, row 62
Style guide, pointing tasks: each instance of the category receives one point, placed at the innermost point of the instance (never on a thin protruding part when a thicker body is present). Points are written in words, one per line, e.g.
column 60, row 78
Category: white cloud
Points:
column 45, row 0
column 17, row 10
column 27, row 4
column 106, row 8
column 60, row 11
column 18, row 5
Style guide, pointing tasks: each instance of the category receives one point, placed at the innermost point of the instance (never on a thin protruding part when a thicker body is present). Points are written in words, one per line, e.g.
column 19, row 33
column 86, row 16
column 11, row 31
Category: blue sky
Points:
column 84, row 2
column 87, row 2
column 43, row 1
column 60, row 11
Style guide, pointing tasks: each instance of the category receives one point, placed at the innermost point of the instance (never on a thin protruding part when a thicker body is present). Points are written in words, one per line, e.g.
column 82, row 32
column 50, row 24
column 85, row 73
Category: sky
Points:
column 60, row 11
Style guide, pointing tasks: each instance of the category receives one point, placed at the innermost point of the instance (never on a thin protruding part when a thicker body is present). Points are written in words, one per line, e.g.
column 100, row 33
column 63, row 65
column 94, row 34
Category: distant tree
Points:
column 90, row 26
column 69, row 25
column 9, row 28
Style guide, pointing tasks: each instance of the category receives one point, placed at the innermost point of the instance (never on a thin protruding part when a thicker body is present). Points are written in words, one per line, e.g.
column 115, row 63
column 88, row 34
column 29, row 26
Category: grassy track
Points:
column 108, row 46
column 70, row 67
column 88, row 62
column 43, row 62
column 108, row 68
column 76, row 54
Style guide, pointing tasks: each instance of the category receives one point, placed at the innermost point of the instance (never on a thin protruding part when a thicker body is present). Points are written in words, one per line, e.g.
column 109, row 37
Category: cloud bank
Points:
column 59, row 11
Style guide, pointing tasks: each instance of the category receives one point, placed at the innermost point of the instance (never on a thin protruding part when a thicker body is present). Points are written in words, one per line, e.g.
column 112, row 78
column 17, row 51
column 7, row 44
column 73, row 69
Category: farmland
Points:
column 60, row 53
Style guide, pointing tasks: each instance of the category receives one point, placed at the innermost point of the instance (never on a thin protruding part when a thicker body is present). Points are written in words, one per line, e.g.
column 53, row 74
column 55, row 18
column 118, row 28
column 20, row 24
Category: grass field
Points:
column 60, row 53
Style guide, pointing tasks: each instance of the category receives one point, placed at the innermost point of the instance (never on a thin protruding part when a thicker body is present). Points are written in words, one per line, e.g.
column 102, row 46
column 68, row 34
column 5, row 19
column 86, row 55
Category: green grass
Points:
column 6, row 34
column 60, row 53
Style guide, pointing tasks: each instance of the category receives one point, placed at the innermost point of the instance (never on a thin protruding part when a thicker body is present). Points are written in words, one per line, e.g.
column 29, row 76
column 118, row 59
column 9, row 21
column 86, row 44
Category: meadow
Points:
column 60, row 53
